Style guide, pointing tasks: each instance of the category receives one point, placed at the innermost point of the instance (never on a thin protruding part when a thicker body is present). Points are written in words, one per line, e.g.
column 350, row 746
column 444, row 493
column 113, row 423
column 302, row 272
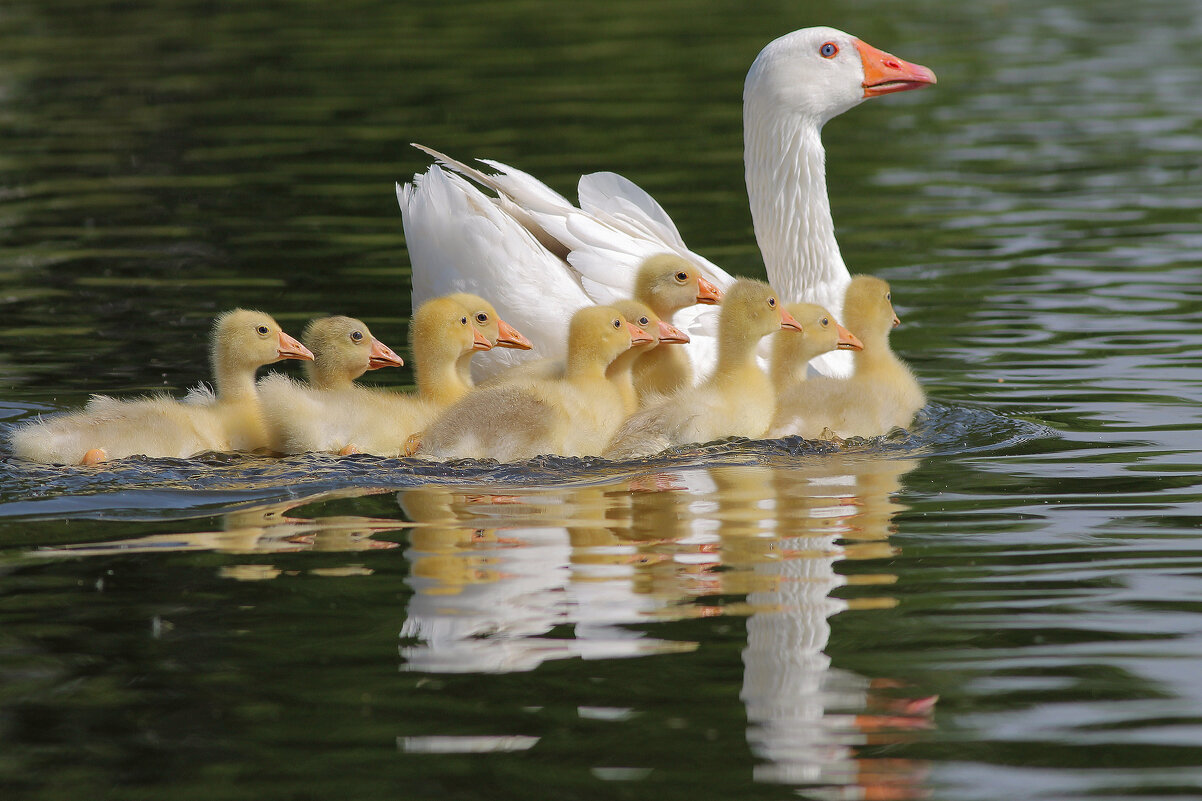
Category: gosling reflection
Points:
column 782, row 532
column 504, row 583
column 266, row 529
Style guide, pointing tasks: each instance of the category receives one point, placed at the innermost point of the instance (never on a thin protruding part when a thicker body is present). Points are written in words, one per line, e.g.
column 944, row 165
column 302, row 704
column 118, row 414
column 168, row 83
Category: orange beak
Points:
column 510, row 337
column 479, row 341
column 637, row 335
column 289, row 348
column 896, row 321
column 787, row 321
column 847, row 340
column 707, row 292
column 885, row 73
column 382, row 356
column 671, row 335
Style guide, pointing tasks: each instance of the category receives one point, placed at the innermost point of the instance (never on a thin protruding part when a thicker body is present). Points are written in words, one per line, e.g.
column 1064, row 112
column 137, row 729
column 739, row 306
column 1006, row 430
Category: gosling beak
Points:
column 896, row 321
column 289, row 348
column 708, row 292
column 510, row 337
column 847, row 340
column 479, row 341
column 671, row 335
column 885, row 73
column 382, row 356
column 637, row 335
column 787, row 321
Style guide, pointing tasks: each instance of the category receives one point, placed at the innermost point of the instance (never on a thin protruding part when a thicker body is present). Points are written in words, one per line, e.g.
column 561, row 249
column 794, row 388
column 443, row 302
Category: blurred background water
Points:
column 1001, row 603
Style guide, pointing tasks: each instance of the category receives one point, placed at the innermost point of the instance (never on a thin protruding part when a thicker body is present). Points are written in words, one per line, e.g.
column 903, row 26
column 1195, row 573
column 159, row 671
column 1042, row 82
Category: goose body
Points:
column 880, row 395
column 571, row 416
column 229, row 419
column 540, row 245
column 737, row 399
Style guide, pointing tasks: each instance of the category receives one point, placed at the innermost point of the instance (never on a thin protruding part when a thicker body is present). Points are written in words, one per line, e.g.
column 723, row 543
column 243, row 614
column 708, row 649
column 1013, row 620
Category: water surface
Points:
column 1000, row 603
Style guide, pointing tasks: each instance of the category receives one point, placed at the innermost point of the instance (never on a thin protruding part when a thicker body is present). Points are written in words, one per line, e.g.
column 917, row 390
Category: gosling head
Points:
column 442, row 330
column 868, row 309
column 498, row 332
column 343, row 350
column 819, row 334
column 600, row 334
column 668, row 283
column 649, row 323
column 246, row 340
column 751, row 310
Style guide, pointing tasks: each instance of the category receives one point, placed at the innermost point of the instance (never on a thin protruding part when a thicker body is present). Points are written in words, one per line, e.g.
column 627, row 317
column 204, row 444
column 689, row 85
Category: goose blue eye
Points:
column 829, row 50
column 772, row 302
column 357, row 336
column 617, row 323
column 825, row 322
column 262, row 330
column 463, row 321
column 682, row 276
column 644, row 321
column 481, row 318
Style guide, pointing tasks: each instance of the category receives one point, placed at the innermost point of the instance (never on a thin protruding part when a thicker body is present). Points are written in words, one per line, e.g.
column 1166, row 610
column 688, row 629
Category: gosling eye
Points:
column 356, row 336
column 828, row 50
column 262, row 330
column 482, row 318
column 463, row 321
column 889, row 296
column 681, row 277
column 772, row 303
column 644, row 321
column 825, row 322
column 617, row 323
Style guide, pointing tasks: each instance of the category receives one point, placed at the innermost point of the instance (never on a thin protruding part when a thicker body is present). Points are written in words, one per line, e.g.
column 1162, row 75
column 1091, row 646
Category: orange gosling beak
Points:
column 289, row 348
column 637, row 335
column 479, row 341
column 896, row 321
column 510, row 337
column 382, row 356
column 885, row 73
column 671, row 335
column 787, row 321
column 708, row 292
column 847, row 340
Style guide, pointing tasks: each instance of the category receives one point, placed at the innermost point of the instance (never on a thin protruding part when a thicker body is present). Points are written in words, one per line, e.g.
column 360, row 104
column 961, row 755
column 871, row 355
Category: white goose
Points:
column 530, row 244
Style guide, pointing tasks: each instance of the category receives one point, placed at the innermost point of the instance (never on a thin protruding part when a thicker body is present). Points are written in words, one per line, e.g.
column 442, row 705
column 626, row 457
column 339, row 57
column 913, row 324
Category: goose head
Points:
column 868, row 309
column 599, row 334
column 498, row 332
column 668, row 283
column 819, row 73
column 244, row 340
column 343, row 349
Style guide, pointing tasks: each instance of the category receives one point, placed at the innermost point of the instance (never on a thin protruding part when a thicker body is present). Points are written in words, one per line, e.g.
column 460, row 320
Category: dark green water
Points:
column 1003, row 603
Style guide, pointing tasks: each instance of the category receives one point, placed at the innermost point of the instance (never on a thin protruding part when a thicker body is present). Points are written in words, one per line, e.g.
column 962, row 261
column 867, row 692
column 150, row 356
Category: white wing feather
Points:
column 537, row 257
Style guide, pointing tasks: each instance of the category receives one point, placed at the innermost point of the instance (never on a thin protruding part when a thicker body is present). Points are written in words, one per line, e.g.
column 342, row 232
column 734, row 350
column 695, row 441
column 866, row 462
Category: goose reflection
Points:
column 263, row 529
column 495, row 577
column 782, row 532
column 504, row 583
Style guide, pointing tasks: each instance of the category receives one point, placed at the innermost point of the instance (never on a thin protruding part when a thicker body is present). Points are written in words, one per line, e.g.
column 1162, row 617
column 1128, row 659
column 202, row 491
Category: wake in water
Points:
column 140, row 488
